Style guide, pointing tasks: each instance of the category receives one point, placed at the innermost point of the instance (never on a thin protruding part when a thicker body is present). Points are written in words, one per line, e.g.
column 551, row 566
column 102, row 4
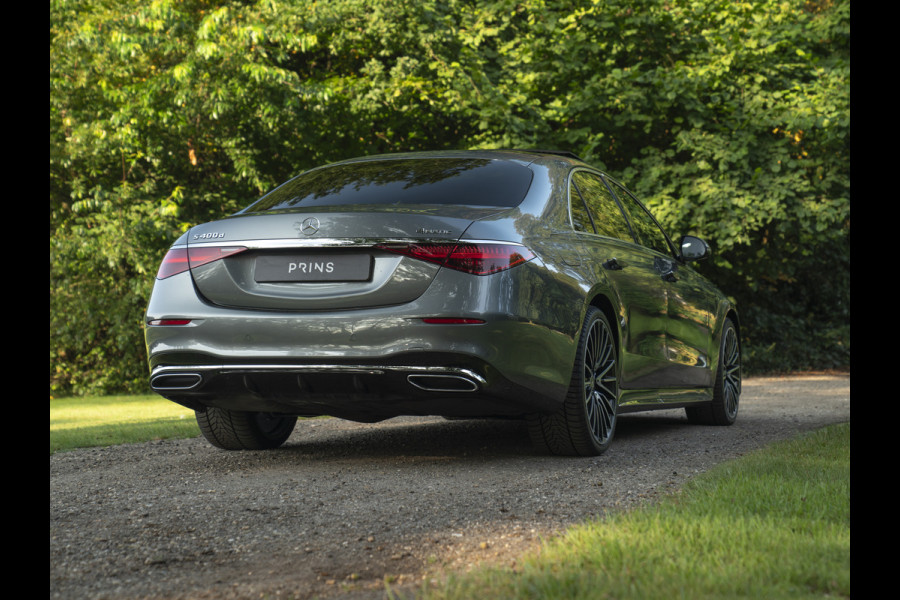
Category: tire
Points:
column 238, row 430
column 586, row 422
column 723, row 409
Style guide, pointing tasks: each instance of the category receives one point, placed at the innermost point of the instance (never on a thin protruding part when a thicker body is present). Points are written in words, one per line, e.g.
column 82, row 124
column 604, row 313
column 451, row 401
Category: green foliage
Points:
column 730, row 119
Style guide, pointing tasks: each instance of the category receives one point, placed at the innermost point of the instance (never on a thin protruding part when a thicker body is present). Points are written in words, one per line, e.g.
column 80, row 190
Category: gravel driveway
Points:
column 342, row 507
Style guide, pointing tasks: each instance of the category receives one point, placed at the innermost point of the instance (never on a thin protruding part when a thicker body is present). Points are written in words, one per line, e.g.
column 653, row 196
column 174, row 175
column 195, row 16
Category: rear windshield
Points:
column 463, row 181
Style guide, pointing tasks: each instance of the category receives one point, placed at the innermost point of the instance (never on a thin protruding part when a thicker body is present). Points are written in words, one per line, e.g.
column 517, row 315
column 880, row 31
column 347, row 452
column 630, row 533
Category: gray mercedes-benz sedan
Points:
column 462, row 284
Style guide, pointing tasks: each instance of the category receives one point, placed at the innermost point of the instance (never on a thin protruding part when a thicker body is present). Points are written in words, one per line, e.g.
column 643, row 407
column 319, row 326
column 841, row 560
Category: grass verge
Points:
column 108, row 420
column 774, row 524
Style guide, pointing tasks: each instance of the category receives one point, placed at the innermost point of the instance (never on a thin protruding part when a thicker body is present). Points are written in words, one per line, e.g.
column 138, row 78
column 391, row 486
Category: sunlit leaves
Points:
column 170, row 112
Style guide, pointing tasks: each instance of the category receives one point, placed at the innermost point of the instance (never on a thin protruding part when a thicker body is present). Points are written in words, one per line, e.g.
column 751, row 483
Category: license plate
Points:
column 313, row 267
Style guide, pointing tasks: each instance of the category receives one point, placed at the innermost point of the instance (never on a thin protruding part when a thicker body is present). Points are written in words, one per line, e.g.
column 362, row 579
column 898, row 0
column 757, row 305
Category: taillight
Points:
column 469, row 257
column 179, row 260
column 169, row 322
column 484, row 259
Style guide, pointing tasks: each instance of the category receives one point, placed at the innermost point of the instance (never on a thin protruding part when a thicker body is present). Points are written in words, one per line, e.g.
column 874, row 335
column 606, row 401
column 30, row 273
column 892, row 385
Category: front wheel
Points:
column 585, row 424
column 240, row 430
column 723, row 409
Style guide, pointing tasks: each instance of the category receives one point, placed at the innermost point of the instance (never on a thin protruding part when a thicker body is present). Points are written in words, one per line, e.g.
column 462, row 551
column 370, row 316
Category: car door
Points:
column 612, row 254
column 689, row 300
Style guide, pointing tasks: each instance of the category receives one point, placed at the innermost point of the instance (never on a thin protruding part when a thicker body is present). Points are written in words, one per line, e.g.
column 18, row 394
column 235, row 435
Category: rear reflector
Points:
column 179, row 260
column 169, row 322
column 474, row 258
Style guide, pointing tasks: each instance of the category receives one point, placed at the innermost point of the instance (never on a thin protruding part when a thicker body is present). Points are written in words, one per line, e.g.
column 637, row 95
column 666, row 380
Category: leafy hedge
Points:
column 730, row 119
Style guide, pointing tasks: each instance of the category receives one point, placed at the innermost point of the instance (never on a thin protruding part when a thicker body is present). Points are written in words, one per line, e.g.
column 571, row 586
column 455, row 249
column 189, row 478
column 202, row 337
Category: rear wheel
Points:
column 723, row 409
column 239, row 430
column 585, row 424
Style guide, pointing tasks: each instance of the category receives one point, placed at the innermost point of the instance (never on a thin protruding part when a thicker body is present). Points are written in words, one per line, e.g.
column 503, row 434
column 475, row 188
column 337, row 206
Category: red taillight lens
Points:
column 202, row 255
column 179, row 260
column 175, row 261
column 436, row 253
column 169, row 322
column 484, row 259
column 474, row 258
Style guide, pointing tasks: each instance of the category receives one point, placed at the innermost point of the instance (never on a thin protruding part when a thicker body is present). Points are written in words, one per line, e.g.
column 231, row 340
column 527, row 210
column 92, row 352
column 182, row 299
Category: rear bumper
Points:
column 187, row 378
column 373, row 363
column 351, row 391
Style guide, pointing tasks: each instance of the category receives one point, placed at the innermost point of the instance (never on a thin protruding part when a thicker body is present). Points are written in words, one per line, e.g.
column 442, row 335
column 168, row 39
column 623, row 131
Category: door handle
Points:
column 666, row 269
column 612, row 265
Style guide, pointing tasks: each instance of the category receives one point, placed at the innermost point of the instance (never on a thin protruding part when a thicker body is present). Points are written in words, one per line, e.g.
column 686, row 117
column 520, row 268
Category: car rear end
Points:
column 359, row 291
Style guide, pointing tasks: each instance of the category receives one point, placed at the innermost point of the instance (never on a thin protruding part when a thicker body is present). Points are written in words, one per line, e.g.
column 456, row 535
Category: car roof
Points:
column 525, row 156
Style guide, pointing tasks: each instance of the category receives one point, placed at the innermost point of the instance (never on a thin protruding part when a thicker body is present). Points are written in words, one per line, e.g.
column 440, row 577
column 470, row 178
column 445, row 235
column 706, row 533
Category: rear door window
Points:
column 604, row 212
column 649, row 233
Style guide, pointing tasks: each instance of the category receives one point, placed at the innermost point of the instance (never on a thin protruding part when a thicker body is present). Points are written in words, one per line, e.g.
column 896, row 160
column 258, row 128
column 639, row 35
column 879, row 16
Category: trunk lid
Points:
column 324, row 258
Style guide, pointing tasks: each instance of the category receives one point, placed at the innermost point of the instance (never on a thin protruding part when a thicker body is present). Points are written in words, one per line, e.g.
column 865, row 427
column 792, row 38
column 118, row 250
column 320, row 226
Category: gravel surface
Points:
column 344, row 507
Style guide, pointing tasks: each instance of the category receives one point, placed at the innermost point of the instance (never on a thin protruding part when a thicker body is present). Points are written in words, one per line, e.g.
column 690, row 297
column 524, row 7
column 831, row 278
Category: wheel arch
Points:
column 602, row 302
column 726, row 312
column 733, row 315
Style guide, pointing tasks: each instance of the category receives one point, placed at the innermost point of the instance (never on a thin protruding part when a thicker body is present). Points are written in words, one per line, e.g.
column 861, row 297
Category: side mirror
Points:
column 693, row 248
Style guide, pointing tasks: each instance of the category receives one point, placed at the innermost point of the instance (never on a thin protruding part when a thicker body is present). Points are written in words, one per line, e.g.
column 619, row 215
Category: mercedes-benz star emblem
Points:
column 309, row 226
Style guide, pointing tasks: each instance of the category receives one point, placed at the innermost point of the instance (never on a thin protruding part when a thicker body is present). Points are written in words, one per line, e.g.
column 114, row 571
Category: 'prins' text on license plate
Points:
column 313, row 267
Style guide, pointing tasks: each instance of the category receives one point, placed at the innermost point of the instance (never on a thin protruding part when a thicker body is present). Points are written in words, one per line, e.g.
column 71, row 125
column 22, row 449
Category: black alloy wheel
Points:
column 586, row 423
column 723, row 409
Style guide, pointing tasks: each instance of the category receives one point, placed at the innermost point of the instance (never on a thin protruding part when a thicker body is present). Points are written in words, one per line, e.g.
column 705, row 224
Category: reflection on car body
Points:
column 464, row 284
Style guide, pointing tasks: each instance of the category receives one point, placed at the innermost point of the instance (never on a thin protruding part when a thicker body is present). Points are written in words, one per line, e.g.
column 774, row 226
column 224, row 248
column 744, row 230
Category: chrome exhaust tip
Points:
column 442, row 383
column 175, row 381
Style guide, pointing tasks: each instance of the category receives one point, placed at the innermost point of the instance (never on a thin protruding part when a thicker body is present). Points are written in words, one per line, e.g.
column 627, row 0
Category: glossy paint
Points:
column 361, row 349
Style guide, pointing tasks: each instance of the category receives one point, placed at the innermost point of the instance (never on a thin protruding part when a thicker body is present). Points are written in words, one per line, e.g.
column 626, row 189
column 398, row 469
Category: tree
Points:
column 730, row 119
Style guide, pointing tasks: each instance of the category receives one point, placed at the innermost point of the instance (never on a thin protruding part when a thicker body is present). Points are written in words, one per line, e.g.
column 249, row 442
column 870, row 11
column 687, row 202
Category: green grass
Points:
column 108, row 420
column 774, row 524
